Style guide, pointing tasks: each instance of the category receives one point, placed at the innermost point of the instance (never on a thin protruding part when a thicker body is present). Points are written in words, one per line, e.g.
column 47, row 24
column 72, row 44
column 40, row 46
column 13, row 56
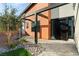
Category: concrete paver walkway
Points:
column 57, row 47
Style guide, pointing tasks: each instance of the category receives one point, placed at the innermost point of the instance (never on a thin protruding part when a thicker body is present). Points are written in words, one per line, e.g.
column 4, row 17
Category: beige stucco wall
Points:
column 63, row 11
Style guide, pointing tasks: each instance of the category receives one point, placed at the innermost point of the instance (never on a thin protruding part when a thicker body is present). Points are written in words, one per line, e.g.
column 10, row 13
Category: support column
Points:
column 36, row 33
column 76, row 24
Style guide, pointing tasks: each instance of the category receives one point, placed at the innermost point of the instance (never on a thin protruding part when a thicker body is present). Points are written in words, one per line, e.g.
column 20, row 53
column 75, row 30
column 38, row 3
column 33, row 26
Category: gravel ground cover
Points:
column 34, row 49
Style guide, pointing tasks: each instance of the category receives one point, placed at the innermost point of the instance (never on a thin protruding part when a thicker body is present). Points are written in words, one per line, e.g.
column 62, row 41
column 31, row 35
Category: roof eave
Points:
column 27, row 8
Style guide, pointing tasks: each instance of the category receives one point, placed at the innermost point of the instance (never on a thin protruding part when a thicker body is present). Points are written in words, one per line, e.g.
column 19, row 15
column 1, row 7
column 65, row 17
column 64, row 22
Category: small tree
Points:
column 9, row 21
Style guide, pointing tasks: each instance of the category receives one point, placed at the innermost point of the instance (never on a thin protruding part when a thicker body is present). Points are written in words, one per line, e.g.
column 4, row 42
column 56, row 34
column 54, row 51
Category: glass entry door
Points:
column 62, row 28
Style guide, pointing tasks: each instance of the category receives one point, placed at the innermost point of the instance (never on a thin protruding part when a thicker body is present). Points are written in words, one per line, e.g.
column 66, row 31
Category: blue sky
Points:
column 19, row 6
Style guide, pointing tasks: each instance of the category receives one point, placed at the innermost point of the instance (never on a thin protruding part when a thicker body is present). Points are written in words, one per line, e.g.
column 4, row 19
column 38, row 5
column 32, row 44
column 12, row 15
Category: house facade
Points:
column 57, row 23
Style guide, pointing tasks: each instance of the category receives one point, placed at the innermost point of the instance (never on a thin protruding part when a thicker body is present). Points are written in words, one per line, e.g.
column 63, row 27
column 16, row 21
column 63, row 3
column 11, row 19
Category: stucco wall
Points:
column 76, row 25
column 63, row 11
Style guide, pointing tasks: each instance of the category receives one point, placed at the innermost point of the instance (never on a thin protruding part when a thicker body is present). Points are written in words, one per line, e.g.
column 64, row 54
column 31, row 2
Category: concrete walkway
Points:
column 57, row 47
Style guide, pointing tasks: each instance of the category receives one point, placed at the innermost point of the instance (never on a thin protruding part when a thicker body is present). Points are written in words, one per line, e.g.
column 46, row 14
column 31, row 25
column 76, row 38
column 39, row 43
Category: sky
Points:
column 19, row 6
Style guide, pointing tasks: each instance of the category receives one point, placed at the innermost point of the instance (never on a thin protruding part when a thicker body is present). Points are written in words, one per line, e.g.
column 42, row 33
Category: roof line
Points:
column 27, row 8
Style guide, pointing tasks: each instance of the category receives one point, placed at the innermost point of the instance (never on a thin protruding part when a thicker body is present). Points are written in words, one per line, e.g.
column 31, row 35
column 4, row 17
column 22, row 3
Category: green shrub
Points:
column 17, row 52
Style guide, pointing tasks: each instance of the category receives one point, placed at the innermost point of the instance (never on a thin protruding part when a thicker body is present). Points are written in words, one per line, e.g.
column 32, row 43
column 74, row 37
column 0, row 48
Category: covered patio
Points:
column 54, row 47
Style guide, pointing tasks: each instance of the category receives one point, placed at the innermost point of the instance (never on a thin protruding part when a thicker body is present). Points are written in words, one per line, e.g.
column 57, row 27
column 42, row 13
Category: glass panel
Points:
column 63, row 28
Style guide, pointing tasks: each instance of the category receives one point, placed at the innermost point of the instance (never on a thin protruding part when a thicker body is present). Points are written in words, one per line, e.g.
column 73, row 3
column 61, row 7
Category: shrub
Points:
column 13, row 45
column 23, row 40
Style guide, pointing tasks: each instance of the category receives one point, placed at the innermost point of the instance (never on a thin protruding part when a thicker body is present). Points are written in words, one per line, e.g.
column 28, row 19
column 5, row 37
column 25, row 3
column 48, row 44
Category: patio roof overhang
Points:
column 27, row 8
column 55, row 5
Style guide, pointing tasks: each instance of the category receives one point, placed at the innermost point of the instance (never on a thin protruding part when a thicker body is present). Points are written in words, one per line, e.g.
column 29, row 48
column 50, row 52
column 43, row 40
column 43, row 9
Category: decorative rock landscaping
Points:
column 3, row 49
column 34, row 49
column 6, row 49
